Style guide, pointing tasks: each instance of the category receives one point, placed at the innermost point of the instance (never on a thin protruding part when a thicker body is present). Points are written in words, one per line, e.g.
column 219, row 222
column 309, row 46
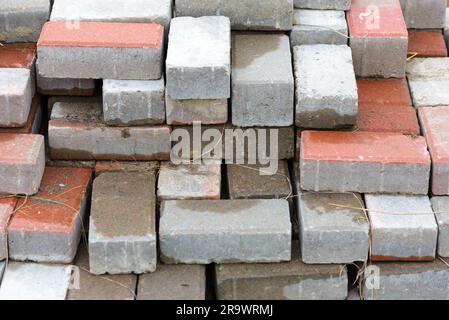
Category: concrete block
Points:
column 427, row 44
column 410, row 281
column 122, row 228
column 126, row 166
column 331, row 231
column 16, row 93
column 7, row 206
column 199, row 58
column 134, row 51
column 19, row 281
column 2, row 269
column 319, row 27
column 65, row 87
column 429, row 14
column 244, row 14
column 323, row 4
column 173, row 282
column 189, row 181
column 77, row 132
column 379, row 39
column 446, row 27
column 22, row 163
column 403, row 228
column 224, row 231
column 34, row 121
column 262, row 81
column 133, row 102
column 70, row 164
column 22, row 20
column 365, row 162
column 326, row 89
column 440, row 207
column 49, row 229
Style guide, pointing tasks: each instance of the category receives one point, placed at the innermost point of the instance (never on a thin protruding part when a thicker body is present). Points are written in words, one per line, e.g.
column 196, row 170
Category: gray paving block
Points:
column 173, row 282
column 403, row 227
column 2, row 270
column 440, row 207
column 319, row 27
column 69, row 87
column 122, row 228
column 22, row 20
column 199, row 58
column 446, row 27
column 224, row 231
column 323, row 4
column 419, row 14
column 244, row 14
column 326, row 89
column 262, row 80
column 7, row 206
column 133, row 102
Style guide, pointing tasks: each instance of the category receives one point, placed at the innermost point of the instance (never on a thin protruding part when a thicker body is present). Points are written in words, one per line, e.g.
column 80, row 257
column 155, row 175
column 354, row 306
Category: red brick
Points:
column 30, row 126
column 427, row 43
column 20, row 55
column 7, row 206
column 384, row 92
column 47, row 227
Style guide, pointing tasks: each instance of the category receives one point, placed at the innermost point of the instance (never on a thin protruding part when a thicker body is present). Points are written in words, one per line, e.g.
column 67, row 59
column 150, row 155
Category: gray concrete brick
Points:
column 323, row 4
column 122, row 228
column 16, row 93
column 326, row 89
column 262, row 80
column 126, row 166
column 173, row 282
column 410, row 281
column 319, row 27
column 69, row 87
column 22, row 20
column 429, row 14
column 199, row 58
column 7, row 206
column 133, row 102
column 77, row 132
column 440, row 207
column 332, row 234
column 20, row 281
column 224, row 231
column 244, row 14
column 403, row 227
column 2, row 269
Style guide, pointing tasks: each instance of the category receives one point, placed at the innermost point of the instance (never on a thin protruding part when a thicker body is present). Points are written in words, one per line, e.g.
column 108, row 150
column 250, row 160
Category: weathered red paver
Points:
column 427, row 43
column 32, row 117
column 19, row 55
column 7, row 206
column 384, row 92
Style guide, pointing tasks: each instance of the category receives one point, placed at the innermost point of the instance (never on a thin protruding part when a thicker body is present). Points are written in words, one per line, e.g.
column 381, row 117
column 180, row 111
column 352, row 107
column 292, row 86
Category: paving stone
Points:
column 385, row 92
column 199, row 58
column 323, row 4
column 331, row 233
column 2, row 269
column 19, row 281
column 34, row 121
column 54, row 99
column 248, row 182
column 105, row 287
column 48, row 228
column 365, row 162
column 16, row 93
column 189, row 181
column 133, row 102
column 319, row 27
column 262, row 80
column 70, row 164
column 420, row 14
column 224, row 231
column 207, row 111
column 427, row 43
column 22, row 20
column 410, row 281
column 126, row 166
column 77, row 132
column 22, row 163
column 429, row 79
column 134, row 51
column 403, row 228
column 440, row 207
column 122, row 232
column 326, row 89
column 173, row 282
column 435, row 129
column 446, row 27
column 244, row 14
column 18, row 55
column 63, row 87
column 7, row 206
column 147, row 11
column 379, row 39
column 292, row 280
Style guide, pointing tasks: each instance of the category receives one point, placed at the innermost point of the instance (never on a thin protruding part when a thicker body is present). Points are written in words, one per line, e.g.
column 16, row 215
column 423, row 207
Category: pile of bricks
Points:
column 92, row 204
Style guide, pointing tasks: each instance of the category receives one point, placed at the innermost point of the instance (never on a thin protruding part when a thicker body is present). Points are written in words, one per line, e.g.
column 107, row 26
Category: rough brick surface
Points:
column 22, row 163
column 403, row 228
column 224, row 231
column 364, row 162
column 122, row 228
column 326, row 89
column 7, row 206
column 77, row 132
column 440, row 206
column 49, row 229
column 385, row 92
column 323, row 4
column 18, row 55
column 65, row 87
column 429, row 14
column 378, row 40
column 199, row 58
column 2, row 269
column 126, row 166
column 262, row 80
column 34, row 121
column 134, row 51
column 427, row 43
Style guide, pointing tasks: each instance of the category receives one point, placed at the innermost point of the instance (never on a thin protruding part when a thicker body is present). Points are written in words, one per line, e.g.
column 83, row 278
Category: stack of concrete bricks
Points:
column 104, row 214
